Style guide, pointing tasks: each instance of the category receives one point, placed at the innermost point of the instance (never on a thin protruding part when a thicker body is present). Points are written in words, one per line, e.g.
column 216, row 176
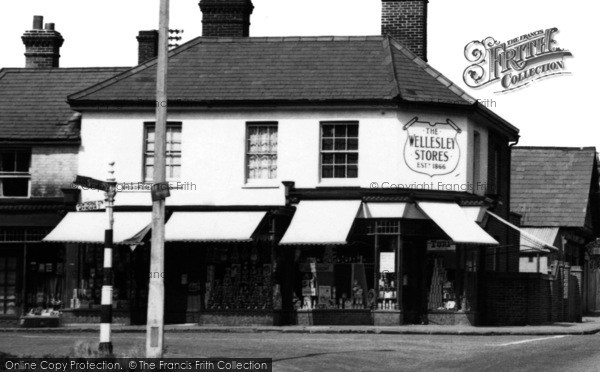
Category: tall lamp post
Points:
column 156, row 293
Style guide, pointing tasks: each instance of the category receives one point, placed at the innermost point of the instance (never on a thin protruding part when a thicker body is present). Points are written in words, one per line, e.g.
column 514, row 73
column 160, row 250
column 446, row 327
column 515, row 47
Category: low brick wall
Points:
column 239, row 318
column 387, row 317
column 452, row 318
column 89, row 316
column 531, row 298
column 334, row 317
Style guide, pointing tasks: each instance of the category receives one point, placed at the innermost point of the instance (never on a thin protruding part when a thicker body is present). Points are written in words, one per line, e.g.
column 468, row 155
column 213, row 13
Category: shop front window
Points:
column 87, row 290
column 239, row 277
column 452, row 276
column 8, row 285
column 335, row 277
column 387, row 298
column 45, row 278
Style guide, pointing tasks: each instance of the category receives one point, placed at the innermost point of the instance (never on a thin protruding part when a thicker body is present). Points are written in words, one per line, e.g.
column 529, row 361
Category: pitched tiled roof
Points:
column 33, row 102
column 285, row 69
column 551, row 186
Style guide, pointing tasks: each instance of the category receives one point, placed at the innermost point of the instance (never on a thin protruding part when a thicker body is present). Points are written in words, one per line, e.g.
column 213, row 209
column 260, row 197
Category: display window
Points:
column 87, row 293
column 335, row 277
column 387, row 296
column 239, row 277
column 45, row 278
column 452, row 276
column 8, row 285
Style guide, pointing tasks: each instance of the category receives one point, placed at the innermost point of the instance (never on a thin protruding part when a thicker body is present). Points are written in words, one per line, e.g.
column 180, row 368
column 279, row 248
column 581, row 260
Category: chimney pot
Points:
column 49, row 26
column 38, row 21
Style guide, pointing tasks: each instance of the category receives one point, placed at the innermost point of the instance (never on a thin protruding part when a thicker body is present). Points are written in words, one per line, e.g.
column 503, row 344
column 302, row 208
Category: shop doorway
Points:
column 140, row 268
column 176, row 281
column 414, row 269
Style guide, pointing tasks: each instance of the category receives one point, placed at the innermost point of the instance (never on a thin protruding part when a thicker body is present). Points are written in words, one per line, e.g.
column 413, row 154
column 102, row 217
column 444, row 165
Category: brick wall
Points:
column 52, row 168
column 406, row 21
column 147, row 45
column 531, row 298
column 42, row 48
column 332, row 317
column 223, row 19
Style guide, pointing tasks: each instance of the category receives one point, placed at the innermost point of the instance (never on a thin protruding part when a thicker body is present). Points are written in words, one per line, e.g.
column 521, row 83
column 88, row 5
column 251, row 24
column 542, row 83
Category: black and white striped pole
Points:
column 106, row 347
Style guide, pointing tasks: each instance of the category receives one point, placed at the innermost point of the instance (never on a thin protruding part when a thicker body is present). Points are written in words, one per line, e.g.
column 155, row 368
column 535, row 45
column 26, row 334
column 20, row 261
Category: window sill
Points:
column 339, row 182
column 271, row 184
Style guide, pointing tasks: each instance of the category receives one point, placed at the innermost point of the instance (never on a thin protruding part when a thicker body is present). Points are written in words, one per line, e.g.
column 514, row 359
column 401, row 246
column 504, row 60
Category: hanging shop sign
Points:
column 441, row 246
column 431, row 148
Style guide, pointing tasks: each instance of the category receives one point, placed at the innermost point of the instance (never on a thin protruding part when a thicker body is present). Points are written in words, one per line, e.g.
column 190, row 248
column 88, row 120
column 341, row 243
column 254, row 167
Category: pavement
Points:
column 588, row 326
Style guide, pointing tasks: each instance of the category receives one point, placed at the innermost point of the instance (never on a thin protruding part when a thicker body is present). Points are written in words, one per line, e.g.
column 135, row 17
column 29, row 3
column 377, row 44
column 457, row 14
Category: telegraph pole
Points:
column 156, row 293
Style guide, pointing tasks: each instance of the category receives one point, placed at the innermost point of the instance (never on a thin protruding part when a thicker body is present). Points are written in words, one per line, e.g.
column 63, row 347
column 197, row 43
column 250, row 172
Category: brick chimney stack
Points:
column 42, row 45
column 147, row 45
column 406, row 21
column 229, row 18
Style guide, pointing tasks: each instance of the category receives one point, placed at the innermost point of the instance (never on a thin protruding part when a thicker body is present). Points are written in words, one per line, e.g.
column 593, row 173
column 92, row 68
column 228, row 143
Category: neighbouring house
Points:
column 555, row 191
column 39, row 146
column 315, row 180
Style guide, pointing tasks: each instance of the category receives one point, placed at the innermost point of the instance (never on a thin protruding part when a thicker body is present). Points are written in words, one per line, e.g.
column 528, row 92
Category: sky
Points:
column 558, row 111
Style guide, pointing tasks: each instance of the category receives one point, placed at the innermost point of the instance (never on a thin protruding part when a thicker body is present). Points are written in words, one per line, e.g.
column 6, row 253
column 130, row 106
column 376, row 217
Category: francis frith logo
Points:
column 515, row 63
column 431, row 148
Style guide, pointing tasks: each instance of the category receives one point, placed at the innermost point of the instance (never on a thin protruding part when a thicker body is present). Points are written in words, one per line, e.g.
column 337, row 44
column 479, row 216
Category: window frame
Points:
column 17, row 174
column 258, row 181
column 333, row 151
column 152, row 124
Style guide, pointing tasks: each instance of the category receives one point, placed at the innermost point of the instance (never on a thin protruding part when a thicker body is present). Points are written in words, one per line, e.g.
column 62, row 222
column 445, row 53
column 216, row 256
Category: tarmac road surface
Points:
column 347, row 352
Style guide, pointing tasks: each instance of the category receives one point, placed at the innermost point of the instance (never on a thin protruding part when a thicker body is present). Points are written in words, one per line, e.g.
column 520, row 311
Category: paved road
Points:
column 348, row 352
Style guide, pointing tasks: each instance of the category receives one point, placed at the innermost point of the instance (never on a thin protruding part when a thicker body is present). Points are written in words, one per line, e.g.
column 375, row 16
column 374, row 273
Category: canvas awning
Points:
column 543, row 234
column 390, row 210
column 455, row 223
column 212, row 226
column 89, row 227
column 322, row 222
column 475, row 213
column 538, row 243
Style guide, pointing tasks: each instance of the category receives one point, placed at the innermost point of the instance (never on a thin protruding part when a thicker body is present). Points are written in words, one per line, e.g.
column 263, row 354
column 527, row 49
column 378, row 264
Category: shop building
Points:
column 569, row 220
column 39, row 145
column 314, row 180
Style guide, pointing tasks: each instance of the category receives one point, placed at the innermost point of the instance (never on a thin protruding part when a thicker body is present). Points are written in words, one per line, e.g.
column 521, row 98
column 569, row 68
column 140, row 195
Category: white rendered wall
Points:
column 214, row 145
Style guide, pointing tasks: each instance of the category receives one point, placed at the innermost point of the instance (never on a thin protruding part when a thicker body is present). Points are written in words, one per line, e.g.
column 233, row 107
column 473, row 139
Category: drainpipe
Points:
column 508, row 198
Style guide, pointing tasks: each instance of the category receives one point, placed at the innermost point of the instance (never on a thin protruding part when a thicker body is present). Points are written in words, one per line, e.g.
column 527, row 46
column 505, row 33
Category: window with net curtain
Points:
column 261, row 156
column 172, row 155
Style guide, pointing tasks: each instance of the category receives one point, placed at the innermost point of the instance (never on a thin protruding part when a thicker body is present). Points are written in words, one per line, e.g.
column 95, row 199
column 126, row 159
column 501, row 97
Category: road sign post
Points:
column 110, row 188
